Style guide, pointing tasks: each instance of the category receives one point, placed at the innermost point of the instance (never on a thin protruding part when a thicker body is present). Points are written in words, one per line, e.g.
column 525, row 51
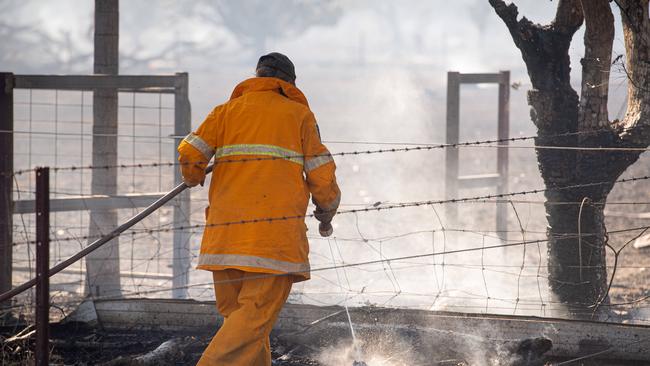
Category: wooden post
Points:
column 42, row 350
column 502, row 153
column 451, row 154
column 103, row 265
column 182, row 250
column 6, row 179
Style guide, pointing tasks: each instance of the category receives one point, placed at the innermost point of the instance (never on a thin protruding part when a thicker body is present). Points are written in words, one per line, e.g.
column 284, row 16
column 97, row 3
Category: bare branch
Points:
column 636, row 32
column 599, row 36
column 568, row 17
column 544, row 49
column 507, row 13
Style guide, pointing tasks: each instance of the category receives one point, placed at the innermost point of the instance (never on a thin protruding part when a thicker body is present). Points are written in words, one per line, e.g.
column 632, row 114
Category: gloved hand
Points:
column 190, row 183
column 324, row 216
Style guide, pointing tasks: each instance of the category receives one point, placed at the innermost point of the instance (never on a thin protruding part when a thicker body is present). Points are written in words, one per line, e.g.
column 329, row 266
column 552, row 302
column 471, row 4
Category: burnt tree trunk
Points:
column 578, row 181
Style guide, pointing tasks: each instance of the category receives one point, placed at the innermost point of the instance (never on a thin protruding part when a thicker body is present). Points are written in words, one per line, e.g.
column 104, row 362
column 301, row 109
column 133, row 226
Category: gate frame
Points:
column 177, row 84
column 454, row 182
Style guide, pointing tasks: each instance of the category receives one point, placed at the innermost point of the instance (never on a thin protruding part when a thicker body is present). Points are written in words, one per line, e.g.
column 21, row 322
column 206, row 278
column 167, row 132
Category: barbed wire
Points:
column 579, row 148
column 389, row 206
column 426, row 147
column 350, row 204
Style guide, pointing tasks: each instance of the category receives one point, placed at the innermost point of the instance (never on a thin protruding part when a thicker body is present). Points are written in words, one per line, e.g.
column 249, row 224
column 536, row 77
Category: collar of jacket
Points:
column 264, row 84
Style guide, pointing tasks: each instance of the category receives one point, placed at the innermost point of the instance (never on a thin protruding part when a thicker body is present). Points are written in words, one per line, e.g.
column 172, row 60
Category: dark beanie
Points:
column 278, row 62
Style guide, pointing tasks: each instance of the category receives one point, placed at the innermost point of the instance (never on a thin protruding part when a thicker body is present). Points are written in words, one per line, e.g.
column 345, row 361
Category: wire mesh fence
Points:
column 388, row 250
column 55, row 127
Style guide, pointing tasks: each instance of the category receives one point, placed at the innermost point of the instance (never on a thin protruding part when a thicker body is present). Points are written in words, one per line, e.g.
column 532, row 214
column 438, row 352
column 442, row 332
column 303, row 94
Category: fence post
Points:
column 502, row 153
column 182, row 253
column 103, row 265
column 6, row 177
column 451, row 153
column 42, row 265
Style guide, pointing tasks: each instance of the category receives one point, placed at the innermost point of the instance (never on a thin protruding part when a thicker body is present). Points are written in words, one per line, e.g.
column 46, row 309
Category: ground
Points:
column 79, row 344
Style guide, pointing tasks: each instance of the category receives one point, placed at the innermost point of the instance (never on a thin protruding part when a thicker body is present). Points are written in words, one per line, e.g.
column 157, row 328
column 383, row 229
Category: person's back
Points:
column 268, row 159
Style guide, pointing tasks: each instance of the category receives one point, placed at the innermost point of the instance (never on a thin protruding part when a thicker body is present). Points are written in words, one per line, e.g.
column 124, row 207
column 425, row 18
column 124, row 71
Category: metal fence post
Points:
column 451, row 153
column 6, row 179
column 42, row 265
column 182, row 253
column 502, row 153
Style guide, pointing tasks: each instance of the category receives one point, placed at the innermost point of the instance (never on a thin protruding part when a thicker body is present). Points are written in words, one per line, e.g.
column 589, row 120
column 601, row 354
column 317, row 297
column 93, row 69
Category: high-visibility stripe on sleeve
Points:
column 260, row 149
column 200, row 144
column 238, row 260
column 317, row 162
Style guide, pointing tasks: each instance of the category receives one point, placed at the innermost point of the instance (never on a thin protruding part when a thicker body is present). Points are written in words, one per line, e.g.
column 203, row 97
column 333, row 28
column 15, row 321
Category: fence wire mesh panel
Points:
column 392, row 247
column 55, row 128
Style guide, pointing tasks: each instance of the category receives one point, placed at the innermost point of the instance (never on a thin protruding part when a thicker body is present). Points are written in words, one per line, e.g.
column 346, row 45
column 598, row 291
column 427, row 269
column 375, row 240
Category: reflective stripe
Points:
column 318, row 161
column 252, row 261
column 258, row 149
column 334, row 205
column 200, row 145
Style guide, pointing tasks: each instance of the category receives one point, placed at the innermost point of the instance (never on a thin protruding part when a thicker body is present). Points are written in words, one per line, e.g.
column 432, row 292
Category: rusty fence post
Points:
column 42, row 265
column 6, row 180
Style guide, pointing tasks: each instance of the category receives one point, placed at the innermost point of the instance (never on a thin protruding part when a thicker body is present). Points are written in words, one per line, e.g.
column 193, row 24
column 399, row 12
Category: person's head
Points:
column 276, row 65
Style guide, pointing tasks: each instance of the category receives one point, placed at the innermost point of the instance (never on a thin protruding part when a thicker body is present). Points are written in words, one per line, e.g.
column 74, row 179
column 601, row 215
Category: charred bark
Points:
column 576, row 263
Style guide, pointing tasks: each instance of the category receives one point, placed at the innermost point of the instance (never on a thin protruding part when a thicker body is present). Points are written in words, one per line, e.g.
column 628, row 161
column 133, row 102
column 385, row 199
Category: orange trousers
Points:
column 250, row 304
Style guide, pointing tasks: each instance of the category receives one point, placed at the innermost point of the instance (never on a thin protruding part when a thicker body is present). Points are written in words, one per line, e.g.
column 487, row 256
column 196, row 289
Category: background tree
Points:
column 577, row 271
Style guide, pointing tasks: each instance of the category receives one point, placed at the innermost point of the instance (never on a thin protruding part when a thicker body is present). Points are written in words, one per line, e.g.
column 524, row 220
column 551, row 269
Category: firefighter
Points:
column 269, row 158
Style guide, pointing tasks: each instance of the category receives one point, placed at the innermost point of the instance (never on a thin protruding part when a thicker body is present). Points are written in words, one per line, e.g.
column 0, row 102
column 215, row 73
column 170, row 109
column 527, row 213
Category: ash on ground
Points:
column 80, row 344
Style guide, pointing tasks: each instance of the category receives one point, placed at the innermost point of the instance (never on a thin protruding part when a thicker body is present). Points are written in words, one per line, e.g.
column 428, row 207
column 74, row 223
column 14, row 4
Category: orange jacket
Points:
column 268, row 159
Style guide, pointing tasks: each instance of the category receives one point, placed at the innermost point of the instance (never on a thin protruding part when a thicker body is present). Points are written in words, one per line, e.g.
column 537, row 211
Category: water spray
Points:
column 358, row 359
column 355, row 344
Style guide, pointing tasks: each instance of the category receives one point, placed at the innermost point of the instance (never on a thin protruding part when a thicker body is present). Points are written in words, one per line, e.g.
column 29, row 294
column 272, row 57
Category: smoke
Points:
column 376, row 75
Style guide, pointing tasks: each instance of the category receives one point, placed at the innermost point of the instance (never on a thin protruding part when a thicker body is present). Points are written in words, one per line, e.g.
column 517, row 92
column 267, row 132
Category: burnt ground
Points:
column 79, row 344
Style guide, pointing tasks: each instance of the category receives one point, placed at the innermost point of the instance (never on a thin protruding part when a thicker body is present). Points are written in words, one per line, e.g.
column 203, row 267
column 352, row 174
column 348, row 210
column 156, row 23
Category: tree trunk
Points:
column 577, row 274
column 578, row 181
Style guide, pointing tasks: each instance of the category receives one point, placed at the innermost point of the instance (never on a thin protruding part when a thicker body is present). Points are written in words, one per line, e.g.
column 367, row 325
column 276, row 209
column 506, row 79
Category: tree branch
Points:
column 636, row 31
column 544, row 49
column 568, row 17
column 599, row 36
column 507, row 13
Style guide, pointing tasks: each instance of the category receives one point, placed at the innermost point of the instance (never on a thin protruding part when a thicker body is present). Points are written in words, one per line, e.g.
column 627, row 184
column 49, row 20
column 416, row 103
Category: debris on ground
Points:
column 80, row 344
